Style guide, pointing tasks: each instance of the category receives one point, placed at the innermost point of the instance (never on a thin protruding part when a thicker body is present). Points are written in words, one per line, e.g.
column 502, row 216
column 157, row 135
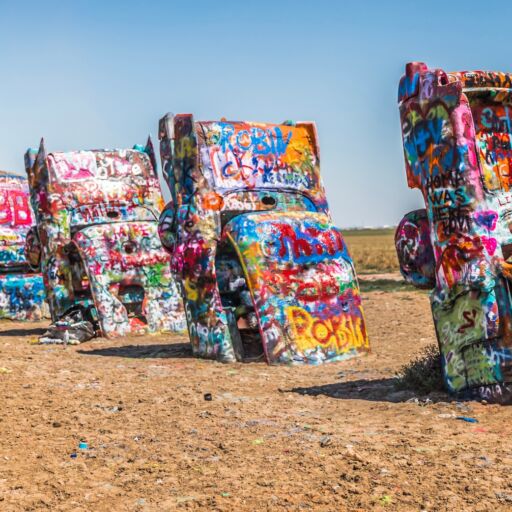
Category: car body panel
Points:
column 233, row 184
column 124, row 258
column 303, row 286
column 414, row 250
column 21, row 290
column 457, row 145
column 97, row 214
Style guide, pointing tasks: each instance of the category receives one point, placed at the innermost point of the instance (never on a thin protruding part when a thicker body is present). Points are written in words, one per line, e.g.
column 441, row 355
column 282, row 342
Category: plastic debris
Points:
column 5, row 370
column 385, row 500
column 83, row 445
column 504, row 497
column 467, row 419
column 258, row 441
column 208, row 397
column 71, row 329
column 325, row 441
column 184, row 499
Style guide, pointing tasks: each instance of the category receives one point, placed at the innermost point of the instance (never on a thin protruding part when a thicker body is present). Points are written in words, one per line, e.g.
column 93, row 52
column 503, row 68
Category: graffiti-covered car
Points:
column 457, row 130
column 21, row 289
column 264, row 272
column 97, row 240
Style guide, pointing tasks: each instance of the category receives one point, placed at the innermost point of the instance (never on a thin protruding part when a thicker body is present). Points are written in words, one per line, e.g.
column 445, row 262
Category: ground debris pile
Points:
column 73, row 328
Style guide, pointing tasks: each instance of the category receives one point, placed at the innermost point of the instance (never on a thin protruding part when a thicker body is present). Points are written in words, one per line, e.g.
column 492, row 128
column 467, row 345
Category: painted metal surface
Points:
column 457, row 143
column 264, row 273
column 97, row 241
column 21, row 289
column 414, row 249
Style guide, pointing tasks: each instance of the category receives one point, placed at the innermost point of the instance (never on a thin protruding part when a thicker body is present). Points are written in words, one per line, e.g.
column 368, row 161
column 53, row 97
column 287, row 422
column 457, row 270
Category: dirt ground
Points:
column 330, row 438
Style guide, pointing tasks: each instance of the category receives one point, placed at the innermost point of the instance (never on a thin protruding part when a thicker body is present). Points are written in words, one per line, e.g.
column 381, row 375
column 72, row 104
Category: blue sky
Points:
column 88, row 74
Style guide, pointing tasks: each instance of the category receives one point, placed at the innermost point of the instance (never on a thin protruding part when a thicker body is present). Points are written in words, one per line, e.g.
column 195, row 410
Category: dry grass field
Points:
column 373, row 250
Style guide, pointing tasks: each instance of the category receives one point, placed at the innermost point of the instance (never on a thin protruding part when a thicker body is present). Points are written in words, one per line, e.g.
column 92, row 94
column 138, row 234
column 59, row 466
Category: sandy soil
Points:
column 330, row 438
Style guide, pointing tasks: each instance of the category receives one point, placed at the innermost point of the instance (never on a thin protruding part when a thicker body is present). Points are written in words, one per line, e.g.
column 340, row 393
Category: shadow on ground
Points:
column 175, row 350
column 36, row 331
column 377, row 390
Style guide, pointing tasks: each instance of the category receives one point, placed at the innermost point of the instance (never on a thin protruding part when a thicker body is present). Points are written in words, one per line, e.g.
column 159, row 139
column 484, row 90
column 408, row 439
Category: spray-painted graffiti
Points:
column 457, row 144
column 264, row 272
column 21, row 290
column 97, row 240
column 412, row 240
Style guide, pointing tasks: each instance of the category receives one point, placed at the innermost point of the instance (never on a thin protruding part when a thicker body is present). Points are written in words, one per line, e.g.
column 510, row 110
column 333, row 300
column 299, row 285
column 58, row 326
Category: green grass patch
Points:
column 386, row 232
column 386, row 285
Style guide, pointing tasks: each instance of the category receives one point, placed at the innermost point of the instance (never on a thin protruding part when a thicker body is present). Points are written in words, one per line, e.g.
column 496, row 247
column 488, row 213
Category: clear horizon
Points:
column 95, row 74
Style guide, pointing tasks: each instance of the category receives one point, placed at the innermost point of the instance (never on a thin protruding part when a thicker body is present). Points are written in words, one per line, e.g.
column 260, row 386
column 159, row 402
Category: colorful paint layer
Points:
column 264, row 273
column 457, row 141
column 97, row 239
column 21, row 290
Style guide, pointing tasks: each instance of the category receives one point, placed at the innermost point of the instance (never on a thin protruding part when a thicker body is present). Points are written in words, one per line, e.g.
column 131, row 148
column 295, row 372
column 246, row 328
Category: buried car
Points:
column 21, row 289
column 264, row 273
column 457, row 130
column 97, row 242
